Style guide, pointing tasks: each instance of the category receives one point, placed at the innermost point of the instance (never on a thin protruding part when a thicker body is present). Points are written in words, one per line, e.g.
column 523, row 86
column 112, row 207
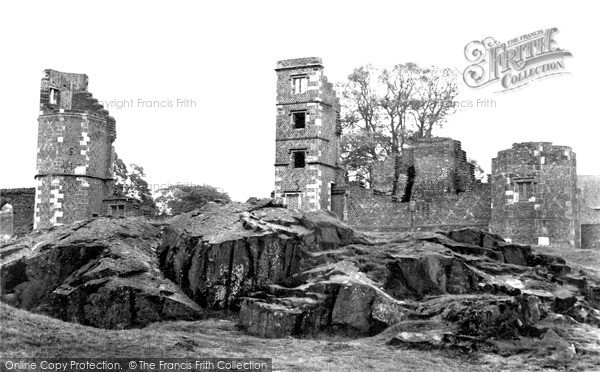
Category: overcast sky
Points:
column 222, row 54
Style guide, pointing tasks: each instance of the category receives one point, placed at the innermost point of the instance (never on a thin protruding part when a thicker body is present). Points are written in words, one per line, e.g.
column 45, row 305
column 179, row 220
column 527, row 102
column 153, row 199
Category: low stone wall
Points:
column 367, row 211
column 590, row 236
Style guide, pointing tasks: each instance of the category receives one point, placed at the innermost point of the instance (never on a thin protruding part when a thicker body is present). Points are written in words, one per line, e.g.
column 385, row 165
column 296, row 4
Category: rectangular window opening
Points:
column 53, row 100
column 525, row 189
column 299, row 84
column 299, row 119
column 299, row 159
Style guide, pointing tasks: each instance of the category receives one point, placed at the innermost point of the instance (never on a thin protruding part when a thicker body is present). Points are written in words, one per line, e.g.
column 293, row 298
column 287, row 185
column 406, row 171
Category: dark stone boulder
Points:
column 420, row 275
column 103, row 272
column 284, row 316
column 365, row 308
column 220, row 253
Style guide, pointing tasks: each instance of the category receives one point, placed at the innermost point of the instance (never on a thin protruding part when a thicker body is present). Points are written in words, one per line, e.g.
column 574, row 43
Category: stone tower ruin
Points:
column 440, row 168
column 534, row 194
column 75, row 152
column 307, row 136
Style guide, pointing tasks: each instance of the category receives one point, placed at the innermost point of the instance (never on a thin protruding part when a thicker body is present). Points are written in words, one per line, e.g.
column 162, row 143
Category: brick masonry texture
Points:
column 368, row 211
column 441, row 168
column 590, row 236
column 312, row 185
column 22, row 202
column 444, row 188
column 550, row 209
column 75, row 153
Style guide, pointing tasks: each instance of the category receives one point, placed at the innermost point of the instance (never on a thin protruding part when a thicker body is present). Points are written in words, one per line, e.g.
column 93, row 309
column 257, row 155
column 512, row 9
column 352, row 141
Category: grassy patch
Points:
column 24, row 334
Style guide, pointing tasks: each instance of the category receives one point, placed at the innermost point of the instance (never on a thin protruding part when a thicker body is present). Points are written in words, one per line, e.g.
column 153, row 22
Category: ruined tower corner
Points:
column 307, row 136
column 75, row 154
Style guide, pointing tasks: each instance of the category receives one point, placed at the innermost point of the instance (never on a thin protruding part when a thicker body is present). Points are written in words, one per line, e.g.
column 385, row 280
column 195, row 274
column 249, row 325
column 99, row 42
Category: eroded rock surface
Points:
column 103, row 272
column 292, row 273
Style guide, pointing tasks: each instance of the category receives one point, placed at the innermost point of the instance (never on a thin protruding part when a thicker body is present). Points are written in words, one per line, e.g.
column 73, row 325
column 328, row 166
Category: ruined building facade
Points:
column 534, row 194
column 75, row 152
column 437, row 188
column 307, row 136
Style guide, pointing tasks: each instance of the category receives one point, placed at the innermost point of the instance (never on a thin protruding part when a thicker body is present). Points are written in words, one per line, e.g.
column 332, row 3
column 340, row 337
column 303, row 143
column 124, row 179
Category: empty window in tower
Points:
column 299, row 159
column 299, row 119
column 524, row 190
column 53, row 99
column 299, row 84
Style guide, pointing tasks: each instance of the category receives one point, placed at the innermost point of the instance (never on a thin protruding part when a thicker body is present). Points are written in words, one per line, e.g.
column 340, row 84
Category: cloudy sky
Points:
column 221, row 55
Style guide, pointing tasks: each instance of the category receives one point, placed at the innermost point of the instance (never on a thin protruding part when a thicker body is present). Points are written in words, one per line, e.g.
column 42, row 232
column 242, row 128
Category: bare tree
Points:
column 435, row 99
column 384, row 109
column 401, row 84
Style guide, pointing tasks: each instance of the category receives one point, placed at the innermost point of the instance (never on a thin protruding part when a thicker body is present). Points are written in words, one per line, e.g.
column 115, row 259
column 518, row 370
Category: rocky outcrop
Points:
column 467, row 291
column 220, row 253
column 123, row 273
column 102, row 272
column 292, row 273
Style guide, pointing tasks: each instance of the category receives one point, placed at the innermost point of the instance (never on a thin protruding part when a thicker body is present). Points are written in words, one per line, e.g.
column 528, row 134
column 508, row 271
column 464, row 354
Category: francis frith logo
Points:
column 516, row 62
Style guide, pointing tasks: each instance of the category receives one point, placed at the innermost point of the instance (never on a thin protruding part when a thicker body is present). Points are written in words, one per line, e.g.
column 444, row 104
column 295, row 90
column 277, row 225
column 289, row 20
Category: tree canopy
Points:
column 177, row 199
column 130, row 182
column 384, row 110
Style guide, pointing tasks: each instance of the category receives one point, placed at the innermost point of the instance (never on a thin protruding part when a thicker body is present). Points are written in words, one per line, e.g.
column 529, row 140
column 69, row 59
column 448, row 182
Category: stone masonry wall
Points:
column 22, row 201
column 319, row 138
column 590, row 236
column 549, row 208
column 441, row 168
column 75, row 153
column 368, row 211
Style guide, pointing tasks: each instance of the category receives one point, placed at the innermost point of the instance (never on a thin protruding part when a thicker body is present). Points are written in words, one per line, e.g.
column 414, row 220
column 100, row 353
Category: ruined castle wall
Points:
column 383, row 174
column 75, row 153
column 441, row 168
column 368, row 211
column 74, row 144
column 22, row 201
column 534, row 194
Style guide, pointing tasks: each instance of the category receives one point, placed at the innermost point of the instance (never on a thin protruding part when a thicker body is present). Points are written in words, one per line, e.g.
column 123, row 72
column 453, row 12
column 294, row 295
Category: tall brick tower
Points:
column 534, row 194
column 307, row 135
column 75, row 153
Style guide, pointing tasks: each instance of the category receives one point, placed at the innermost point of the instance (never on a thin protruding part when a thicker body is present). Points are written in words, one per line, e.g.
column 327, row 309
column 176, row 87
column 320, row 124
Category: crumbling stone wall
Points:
column 318, row 139
column 369, row 211
column 22, row 201
column 534, row 194
column 435, row 174
column 441, row 168
column 75, row 153
column 383, row 174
